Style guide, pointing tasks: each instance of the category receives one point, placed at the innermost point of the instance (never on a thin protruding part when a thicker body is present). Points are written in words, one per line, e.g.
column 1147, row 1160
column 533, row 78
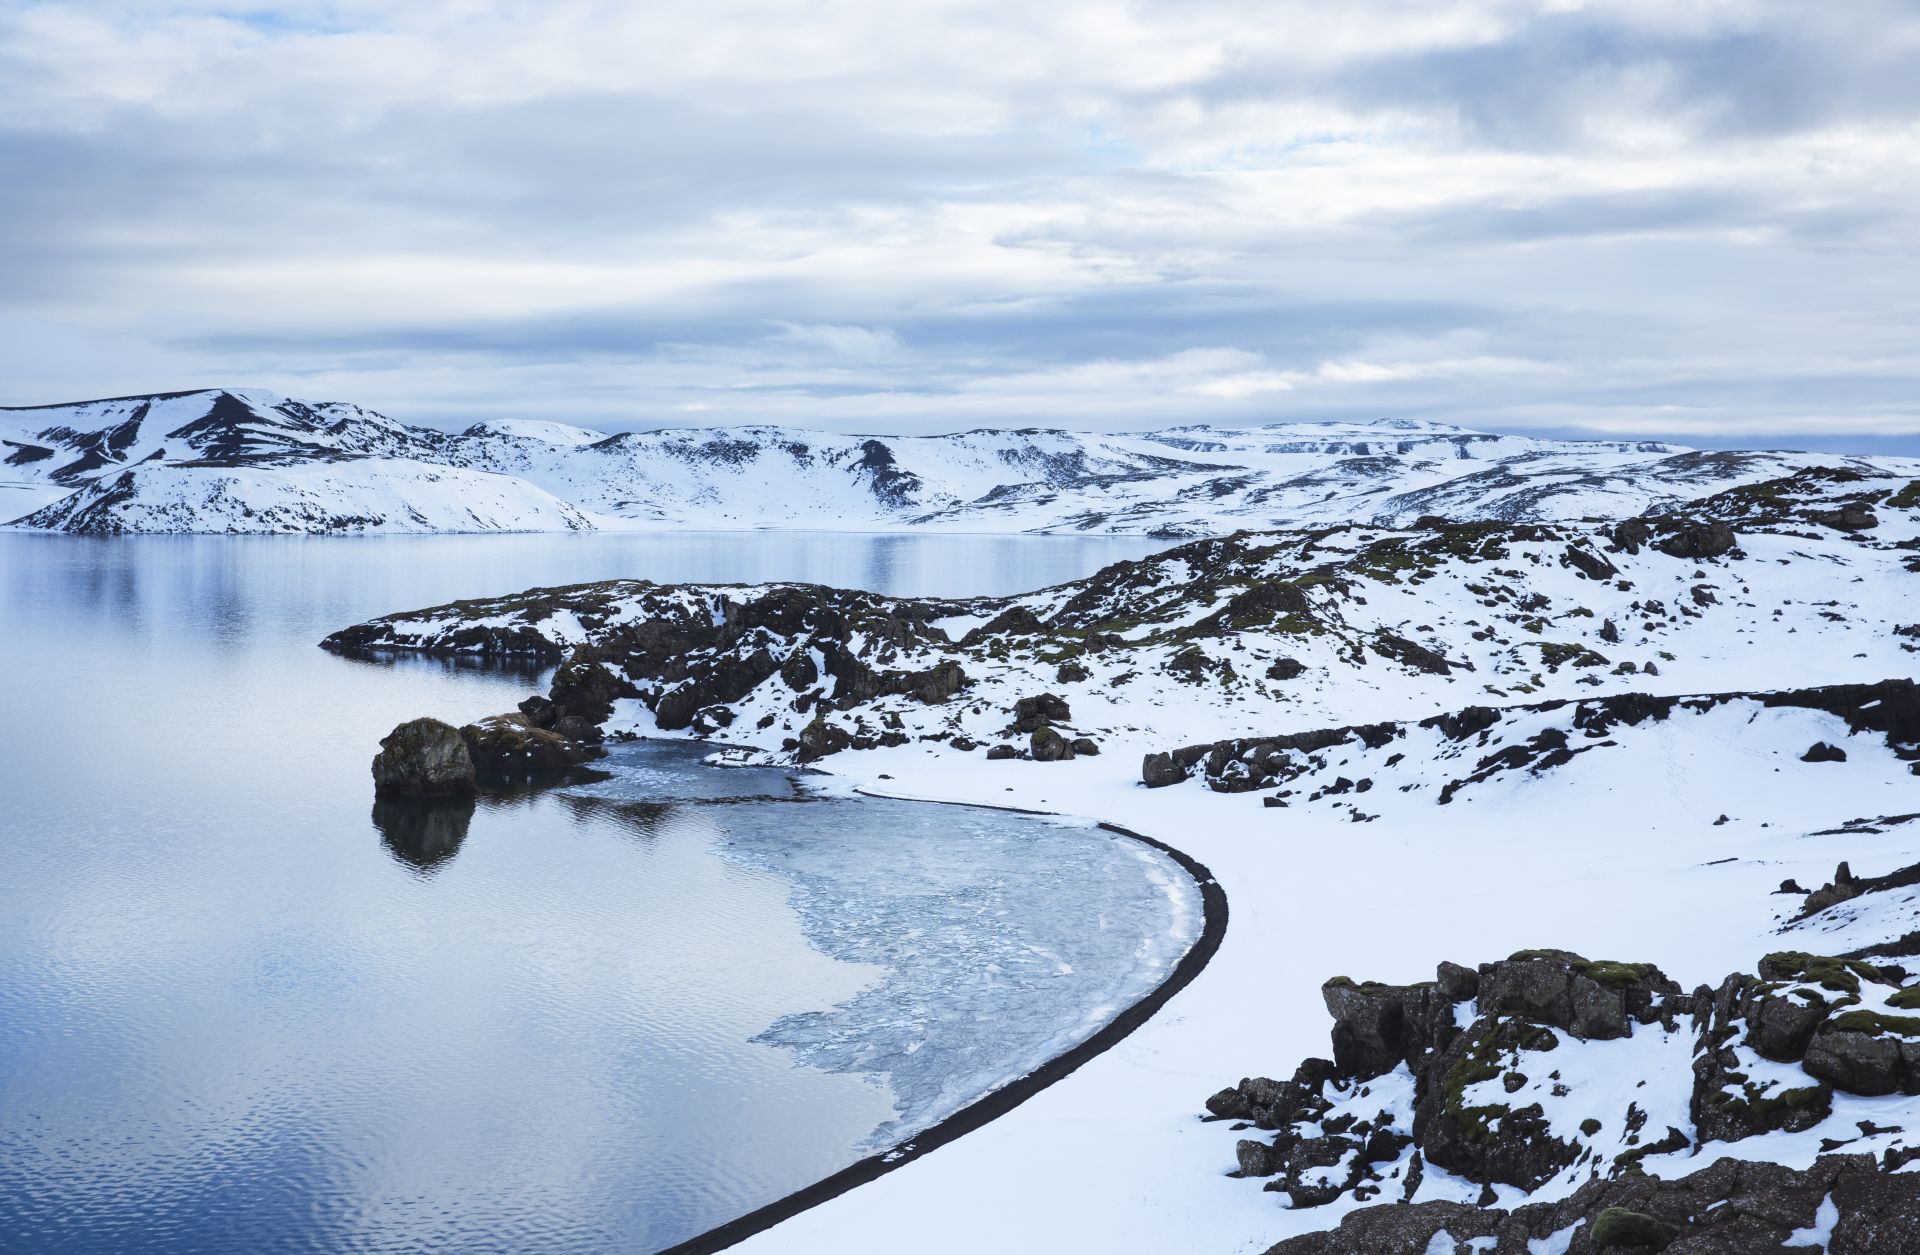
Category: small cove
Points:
column 248, row 1009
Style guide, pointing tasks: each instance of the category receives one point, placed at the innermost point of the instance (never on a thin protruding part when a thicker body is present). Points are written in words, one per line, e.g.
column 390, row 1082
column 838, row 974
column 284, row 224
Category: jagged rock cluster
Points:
column 1479, row 1072
column 1244, row 764
column 1842, row 1205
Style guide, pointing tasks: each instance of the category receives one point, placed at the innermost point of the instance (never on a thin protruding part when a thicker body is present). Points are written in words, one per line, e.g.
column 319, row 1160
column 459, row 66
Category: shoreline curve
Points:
column 989, row 1107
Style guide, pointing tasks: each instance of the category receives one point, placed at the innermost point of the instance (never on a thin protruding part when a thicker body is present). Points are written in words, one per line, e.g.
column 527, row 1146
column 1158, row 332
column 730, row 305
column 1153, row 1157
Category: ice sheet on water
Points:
column 999, row 940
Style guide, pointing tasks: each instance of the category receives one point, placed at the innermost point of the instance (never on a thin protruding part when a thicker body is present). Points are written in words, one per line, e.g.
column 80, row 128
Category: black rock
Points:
column 1001, row 752
column 1032, row 712
column 541, row 712
column 1821, row 752
column 1590, row 564
column 1048, row 746
column 1159, row 770
column 821, row 738
column 509, row 746
column 1699, row 540
column 1851, row 517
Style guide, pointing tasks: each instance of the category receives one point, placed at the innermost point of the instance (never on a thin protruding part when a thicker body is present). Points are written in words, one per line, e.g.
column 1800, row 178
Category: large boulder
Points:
column 1157, row 771
column 424, row 758
column 1048, row 746
column 1867, row 1052
column 1030, row 713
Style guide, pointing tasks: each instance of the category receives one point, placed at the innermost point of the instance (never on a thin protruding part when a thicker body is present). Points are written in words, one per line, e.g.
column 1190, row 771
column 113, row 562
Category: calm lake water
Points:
column 241, row 1009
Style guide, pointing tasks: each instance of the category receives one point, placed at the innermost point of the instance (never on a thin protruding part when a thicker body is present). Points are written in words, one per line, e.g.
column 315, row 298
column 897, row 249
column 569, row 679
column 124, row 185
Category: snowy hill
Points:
column 247, row 461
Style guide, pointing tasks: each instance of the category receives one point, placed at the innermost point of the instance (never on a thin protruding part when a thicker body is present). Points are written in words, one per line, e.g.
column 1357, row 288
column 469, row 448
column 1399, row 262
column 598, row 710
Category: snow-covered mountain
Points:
column 250, row 461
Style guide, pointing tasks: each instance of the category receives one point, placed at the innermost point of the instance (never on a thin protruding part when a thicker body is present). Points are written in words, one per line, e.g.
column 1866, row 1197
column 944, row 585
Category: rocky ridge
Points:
column 1296, row 625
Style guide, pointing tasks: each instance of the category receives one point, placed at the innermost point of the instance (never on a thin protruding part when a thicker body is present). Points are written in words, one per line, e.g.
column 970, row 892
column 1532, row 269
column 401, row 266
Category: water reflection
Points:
column 219, row 987
column 533, row 670
column 423, row 833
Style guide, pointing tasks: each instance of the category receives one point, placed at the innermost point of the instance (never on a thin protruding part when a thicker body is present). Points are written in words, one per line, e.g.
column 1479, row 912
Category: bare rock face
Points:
column 423, row 758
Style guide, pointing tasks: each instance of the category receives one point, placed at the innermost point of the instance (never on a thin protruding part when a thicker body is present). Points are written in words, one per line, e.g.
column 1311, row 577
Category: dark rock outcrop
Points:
column 1048, row 746
column 1590, row 564
column 1527, row 1014
column 1160, row 770
column 1851, row 517
column 511, row 745
column 1889, row 707
column 1032, row 713
column 1696, row 541
column 424, row 758
column 1731, row 1208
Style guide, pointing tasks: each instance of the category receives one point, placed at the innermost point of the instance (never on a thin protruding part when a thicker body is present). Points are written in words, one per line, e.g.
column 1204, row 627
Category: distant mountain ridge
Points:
column 246, row 460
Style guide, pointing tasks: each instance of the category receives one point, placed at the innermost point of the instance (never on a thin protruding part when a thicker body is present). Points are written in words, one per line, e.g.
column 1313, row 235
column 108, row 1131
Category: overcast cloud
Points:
column 1695, row 218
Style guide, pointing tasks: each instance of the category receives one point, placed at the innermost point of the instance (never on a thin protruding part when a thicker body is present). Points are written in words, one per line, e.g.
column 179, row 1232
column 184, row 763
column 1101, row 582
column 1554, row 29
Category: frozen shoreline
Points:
column 1010, row 1095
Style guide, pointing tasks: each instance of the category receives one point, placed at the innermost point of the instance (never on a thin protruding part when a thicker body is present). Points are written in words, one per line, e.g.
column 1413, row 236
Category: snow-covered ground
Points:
column 1615, row 859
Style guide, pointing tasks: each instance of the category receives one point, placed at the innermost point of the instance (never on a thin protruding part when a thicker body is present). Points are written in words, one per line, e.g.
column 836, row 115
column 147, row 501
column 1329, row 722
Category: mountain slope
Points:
column 201, row 463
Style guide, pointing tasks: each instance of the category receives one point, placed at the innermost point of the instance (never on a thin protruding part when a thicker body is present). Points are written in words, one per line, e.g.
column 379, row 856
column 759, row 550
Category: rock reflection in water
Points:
column 423, row 833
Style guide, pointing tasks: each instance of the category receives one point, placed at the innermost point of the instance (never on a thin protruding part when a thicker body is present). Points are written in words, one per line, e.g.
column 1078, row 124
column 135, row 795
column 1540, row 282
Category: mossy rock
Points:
column 1621, row 1229
column 424, row 758
column 1839, row 975
column 1874, row 1023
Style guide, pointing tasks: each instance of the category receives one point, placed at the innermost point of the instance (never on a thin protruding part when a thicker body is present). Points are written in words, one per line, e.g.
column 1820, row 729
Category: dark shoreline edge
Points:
column 1213, row 900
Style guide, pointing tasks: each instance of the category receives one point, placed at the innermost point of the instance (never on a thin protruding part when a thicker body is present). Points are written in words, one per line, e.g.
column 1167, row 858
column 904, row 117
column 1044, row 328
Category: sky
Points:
column 1698, row 220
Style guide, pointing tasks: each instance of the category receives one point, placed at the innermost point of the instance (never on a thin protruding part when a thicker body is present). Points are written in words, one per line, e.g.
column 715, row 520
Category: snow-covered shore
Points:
column 1618, row 861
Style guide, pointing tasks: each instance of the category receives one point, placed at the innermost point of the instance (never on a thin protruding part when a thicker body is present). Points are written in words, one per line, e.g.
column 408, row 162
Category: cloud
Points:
column 1507, row 212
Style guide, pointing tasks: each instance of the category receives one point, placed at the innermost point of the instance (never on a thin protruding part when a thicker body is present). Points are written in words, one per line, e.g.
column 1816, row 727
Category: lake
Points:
column 245, row 1009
